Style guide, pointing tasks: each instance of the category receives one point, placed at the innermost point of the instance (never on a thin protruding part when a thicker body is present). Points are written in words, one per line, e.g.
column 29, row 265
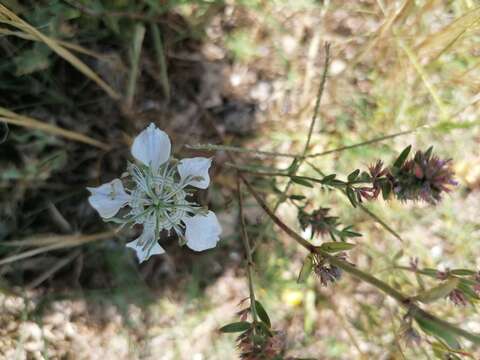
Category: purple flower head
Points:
column 425, row 177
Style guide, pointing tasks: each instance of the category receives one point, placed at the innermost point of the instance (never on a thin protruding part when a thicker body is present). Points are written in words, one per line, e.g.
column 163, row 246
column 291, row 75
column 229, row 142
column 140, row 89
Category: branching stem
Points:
column 413, row 309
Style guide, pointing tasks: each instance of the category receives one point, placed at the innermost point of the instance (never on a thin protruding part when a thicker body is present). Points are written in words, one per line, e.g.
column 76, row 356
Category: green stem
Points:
column 318, row 99
column 334, row 182
column 368, row 142
column 248, row 254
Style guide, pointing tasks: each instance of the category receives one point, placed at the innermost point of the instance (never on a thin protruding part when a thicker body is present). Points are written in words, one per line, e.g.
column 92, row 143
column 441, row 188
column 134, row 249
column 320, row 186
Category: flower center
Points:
column 159, row 199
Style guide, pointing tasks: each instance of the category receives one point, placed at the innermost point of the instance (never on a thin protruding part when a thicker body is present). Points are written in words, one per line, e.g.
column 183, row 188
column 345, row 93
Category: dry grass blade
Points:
column 161, row 59
column 12, row 19
column 66, row 44
column 424, row 76
column 10, row 117
column 135, row 62
column 52, row 270
column 57, row 242
column 37, row 241
column 450, row 32
column 383, row 31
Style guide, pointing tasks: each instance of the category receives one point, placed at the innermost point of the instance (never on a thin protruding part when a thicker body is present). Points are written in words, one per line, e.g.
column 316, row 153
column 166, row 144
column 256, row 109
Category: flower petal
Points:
column 146, row 245
column 152, row 147
column 108, row 198
column 202, row 231
column 195, row 171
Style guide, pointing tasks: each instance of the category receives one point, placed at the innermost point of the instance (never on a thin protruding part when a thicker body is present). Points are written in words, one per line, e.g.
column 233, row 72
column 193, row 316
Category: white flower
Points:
column 108, row 198
column 152, row 147
column 203, row 231
column 195, row 171
column 146, row 244
column 157, row 198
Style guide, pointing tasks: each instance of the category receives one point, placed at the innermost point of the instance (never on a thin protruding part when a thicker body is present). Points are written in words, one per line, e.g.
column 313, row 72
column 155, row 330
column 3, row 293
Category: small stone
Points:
column 32, row 346
column 337, row 66
column 69, row 330
column 30, row 330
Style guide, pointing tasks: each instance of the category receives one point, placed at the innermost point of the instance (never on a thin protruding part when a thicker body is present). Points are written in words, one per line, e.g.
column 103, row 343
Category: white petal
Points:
column 195, row 171
column 146, row 245
column 152, row 147
column 202, row 231
column 108, row 198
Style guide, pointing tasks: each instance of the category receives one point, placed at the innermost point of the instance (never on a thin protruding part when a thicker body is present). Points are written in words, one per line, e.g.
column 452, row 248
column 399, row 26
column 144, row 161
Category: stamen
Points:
column 163, row 178
column 180, row 187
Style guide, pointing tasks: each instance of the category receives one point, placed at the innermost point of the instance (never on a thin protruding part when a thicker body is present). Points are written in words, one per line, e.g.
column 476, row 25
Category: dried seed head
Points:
column 318, row 220
column 260, row 345
column 328, row 273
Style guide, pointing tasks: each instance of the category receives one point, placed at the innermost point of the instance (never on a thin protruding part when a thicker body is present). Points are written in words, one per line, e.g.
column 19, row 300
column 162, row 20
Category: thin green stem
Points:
column 368, row 142
column 318, row 99
column 325, row 181
column 248, row 253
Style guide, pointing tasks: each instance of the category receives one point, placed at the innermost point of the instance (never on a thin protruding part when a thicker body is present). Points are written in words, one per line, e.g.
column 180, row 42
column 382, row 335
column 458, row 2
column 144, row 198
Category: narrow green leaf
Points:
column 262, row 314
column 328, row 179
column 337, row 183
column 403, row 156
column 307, row 267
column 332, row 235
column 468, row 291
column 428, row 153
column 236, row 327
column 462, row 272
column 353, row 176
column 347, row 233
column 297, row 197
column 364, row 176
column 301, row 181
column 386, row 189
column 437, row 292
column 333, row 247
column 292, row 169
column 434, row 329
column 351, row 197
column 430, row 272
